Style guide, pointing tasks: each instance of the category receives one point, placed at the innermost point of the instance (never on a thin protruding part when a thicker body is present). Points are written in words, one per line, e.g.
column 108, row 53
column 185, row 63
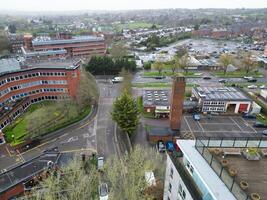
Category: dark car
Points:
column 161, row 146
column 249, row 116
column 222, row 81
column 206, row 78
column 252, row 80
column 260, row 125
column 159, row 77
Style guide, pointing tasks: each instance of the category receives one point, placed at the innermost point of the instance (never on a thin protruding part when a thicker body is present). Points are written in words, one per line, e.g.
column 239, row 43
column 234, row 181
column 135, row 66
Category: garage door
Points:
column 243, row 107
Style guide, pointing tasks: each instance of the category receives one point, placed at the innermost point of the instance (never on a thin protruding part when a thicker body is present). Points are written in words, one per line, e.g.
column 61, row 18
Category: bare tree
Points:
column 158, row 66
column 118, row 51
column 184, row 62
column 247, row 63
column 225, row 60
column 176, row 64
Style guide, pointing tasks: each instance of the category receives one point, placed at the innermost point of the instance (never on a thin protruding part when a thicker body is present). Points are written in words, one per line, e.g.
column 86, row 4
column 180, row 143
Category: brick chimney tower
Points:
column 177, row 100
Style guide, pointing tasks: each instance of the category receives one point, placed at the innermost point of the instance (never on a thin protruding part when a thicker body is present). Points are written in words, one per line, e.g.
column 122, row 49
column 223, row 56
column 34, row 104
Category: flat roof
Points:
column 220, row 94
column 214, row 184
column 13, row 65
column 10, row 64
column 156, row 98
column 75, row 39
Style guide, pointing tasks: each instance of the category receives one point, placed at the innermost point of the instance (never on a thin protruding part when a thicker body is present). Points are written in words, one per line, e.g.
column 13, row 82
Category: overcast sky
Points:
column 61, row 5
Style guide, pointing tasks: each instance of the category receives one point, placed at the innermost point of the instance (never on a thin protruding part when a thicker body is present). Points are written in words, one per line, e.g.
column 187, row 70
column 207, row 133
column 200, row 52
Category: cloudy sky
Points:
column 61, row 5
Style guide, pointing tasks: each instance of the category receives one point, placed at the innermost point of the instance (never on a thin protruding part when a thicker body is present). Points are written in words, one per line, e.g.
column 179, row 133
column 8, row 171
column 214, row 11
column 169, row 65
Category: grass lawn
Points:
column 169, row 73
column 262, row 118
column 41, row 118
column 245, row 84
column 237, row 74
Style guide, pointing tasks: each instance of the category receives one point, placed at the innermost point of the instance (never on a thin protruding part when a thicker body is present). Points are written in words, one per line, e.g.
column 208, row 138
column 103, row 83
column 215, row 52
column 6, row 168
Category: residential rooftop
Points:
column 75, row 39
column 215, row 185
column 220, row 94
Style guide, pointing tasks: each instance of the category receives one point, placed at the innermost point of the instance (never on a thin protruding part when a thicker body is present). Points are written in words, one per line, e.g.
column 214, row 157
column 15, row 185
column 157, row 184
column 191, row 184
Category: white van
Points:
column 117, row 79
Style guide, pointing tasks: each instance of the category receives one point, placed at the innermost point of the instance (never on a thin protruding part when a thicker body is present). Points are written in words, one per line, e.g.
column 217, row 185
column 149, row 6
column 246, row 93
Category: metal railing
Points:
column 221, row 172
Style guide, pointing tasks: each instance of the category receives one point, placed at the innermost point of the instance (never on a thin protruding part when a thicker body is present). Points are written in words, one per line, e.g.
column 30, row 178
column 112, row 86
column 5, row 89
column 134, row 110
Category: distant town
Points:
column 143, row 104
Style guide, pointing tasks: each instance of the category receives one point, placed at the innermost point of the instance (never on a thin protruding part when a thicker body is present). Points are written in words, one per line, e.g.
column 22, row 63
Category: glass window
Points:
column 170, row 187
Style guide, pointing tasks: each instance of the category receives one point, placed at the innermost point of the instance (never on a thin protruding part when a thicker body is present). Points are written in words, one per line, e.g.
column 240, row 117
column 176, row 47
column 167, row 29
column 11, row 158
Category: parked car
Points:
column 169, row 146
column 206, row 78
column 252, row 86
column 103, row 191
column 252, row 80
column 176, row 147
column 260, row 125
column 264, row 132
column 247, row 77
column 249, row 116
column 159, row 77
column 263, row 87
column 100, row 163
column 222, row 81
column 117, row 79
column 196, row 117
column 161, row 146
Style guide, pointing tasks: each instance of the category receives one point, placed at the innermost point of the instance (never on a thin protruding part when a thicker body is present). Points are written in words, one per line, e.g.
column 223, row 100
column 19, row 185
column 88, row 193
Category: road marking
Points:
column 249, row 125
column 188, row 124
column 86, row 135
column 201, row 126
column 10, row 155
column 21, row 157
column 78, row 150
column 236, row 124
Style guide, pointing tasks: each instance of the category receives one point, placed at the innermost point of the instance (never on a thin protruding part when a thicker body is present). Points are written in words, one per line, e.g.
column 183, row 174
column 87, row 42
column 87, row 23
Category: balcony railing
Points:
column 186, row 177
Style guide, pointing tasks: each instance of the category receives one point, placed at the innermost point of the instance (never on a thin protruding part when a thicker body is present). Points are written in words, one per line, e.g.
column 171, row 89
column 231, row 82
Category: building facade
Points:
column 30, row 84
column 76, row 46
column 222, row 99
column 189, row 177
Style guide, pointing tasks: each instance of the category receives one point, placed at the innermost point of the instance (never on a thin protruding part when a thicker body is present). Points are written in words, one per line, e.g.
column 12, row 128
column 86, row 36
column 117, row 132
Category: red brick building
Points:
column 76, row 46
column 37, row 82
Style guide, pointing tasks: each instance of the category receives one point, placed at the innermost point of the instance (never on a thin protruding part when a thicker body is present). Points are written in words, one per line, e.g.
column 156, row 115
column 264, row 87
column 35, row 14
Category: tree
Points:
column 125, row 113
column 118, row 51
column 158, row 66
column 5, row 46
column 196, row 27
column 127, row 81
column 87, row 91
column 12, row 28
column 147, row 65
column 176, row 64
column 127, row 174
column 76, row 181
column 225, row 60
column 247, row 63
column 184, row 62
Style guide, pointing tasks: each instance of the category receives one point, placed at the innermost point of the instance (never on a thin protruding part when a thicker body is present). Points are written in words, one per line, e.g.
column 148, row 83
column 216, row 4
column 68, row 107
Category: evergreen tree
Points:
column 125, row 112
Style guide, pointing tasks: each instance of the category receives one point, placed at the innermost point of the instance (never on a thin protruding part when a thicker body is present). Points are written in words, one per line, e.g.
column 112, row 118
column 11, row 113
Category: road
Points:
column 90, row 135
column 107, row 144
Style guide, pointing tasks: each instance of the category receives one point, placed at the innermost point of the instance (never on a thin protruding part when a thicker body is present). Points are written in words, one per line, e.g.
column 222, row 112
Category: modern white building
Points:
column 222, row 99
column 190, row 177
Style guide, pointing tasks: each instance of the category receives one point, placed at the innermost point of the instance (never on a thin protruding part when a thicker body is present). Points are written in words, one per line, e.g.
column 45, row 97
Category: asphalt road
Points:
column 89, row 135
column 107, row 144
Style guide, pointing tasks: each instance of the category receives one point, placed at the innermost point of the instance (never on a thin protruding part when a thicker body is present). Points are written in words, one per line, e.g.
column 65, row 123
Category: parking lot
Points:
column 219, row 126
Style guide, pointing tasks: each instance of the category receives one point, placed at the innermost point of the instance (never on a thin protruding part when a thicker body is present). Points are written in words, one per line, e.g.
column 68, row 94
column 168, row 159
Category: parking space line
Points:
column 236, row 124
column 217, row 123
column 201, row 126
column 249, row 125
column 10, row 155
column 188, row 124
column 79, row 150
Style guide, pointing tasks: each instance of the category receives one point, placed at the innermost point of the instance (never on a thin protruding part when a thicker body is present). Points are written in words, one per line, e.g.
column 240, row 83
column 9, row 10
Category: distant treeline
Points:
column 104, row 65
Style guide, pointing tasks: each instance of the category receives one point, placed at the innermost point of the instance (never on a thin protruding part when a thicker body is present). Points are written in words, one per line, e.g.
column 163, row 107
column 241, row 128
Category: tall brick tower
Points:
column 177, row 100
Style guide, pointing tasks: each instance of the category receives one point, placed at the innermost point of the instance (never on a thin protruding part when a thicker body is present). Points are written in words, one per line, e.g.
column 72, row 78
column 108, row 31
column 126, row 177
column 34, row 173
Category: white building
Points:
column 222, row 99
column 190, row 177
